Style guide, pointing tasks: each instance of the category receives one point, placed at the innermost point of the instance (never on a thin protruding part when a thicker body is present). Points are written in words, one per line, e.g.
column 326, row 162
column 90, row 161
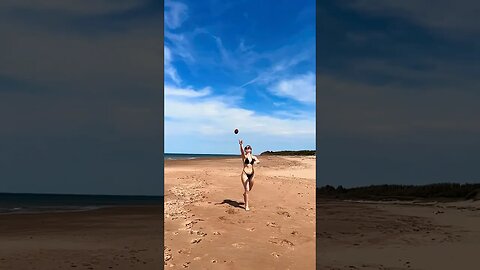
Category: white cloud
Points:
column 300, row 88
column 170, row 70
column 186, row 92
column 244, row 48
column 276, row 70
column 226, row 57
column 189, row 111
column 175, row 14
column 180, row 45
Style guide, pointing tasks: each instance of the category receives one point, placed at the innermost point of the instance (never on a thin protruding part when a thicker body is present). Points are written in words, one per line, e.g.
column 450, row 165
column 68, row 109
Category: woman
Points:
column 247, row 174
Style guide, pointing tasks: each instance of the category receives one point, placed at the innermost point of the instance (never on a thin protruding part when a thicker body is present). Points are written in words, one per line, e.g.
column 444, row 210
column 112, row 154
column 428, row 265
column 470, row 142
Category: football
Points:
column 236, row 131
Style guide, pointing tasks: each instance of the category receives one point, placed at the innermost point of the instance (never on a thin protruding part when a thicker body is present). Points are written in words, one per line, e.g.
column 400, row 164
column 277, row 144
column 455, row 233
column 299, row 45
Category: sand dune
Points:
column 206, row 226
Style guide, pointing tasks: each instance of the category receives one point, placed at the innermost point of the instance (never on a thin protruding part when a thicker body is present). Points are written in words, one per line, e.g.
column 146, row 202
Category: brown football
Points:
column 236, row 131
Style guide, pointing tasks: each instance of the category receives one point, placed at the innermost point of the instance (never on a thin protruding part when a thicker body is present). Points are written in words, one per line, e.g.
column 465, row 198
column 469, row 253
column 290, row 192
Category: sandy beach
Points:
column 372, row 235
column 109, row 238
column 206, row 226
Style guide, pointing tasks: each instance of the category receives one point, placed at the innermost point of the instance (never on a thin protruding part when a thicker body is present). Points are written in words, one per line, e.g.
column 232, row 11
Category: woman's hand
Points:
column 241, row 149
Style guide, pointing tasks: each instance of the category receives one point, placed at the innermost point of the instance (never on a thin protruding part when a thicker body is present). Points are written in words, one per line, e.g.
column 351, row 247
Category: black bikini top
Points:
column 249, row 162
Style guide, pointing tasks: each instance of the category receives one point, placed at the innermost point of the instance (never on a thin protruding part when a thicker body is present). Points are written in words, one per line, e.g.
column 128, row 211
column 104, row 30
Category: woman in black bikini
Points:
column 247, row 174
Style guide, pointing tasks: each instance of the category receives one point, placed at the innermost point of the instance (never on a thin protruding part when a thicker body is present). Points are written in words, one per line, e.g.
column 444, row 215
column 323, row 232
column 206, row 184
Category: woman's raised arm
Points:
column 241, row 149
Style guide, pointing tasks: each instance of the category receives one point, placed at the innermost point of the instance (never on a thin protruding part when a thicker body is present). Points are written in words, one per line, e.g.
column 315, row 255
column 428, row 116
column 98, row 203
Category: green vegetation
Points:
column 441, row 191
column 289, row 153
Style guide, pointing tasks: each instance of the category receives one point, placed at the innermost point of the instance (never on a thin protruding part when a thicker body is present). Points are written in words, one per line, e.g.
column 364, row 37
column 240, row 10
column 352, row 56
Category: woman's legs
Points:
column 245, row 183
column 251, row 182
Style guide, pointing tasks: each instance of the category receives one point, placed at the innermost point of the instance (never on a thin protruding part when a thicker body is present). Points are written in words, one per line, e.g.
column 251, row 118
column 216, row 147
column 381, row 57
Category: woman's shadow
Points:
column 233, row 203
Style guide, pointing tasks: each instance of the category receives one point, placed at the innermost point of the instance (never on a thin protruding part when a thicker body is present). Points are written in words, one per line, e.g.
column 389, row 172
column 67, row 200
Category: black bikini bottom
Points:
column 249, row 175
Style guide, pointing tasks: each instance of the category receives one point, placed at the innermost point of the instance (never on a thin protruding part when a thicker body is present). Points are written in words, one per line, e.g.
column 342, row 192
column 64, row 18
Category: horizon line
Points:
column 234, row 154
column 77, row 194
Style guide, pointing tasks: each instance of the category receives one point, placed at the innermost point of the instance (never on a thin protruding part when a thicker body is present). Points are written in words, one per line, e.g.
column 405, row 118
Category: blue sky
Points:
column 239, row 64
column 398, row 92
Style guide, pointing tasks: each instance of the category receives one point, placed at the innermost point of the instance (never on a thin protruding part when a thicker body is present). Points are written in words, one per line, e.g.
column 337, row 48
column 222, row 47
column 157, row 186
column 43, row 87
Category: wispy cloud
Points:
column 187, row 92
column 170, row 70
column 227, row 59
column 276, row 69
column 175, row 13
column 300, row 88
column 180, row 45
column 244, row 48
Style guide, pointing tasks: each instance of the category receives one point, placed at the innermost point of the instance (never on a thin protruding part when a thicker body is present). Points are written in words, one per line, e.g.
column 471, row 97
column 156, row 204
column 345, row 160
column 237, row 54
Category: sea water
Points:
column 34, row 203
column 174, row 156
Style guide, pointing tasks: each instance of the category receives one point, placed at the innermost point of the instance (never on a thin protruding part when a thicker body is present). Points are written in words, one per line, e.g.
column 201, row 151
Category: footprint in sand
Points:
column 272, row 224
column 167, row 254
column 190, row 224
column 231, row 211
column 283, row 213
column 238, row 245
column 276, row 255
column 195, row 241
column 283, row 242
column 217, row 233
column 251, row 229
column 183, row 251
column 167, row 257
column 200, row 233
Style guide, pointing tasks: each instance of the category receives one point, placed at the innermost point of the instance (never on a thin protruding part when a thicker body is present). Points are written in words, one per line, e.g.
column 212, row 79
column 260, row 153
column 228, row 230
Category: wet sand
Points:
column 369, row 235
column 109, row 238
column 207, row 227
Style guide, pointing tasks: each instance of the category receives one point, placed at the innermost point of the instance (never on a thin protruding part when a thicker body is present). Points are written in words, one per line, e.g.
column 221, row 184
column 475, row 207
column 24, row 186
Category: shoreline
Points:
column 219, row 157
column 87, row 209
column 235, row 158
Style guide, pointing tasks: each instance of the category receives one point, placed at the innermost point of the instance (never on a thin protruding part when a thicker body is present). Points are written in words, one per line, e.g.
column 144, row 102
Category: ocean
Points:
column 34, row 203
column 172, row 156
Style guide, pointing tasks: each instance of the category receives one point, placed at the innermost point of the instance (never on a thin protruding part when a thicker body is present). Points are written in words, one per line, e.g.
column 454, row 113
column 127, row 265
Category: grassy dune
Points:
column 289, row 153
column 441, row 191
